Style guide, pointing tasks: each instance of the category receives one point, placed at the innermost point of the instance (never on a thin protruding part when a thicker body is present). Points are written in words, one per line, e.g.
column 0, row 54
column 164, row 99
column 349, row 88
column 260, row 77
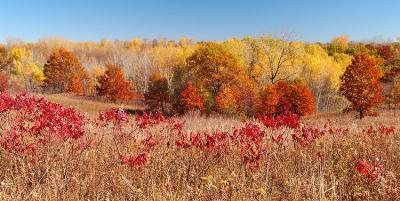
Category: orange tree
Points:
column 4, row 62
column 361, row 85
column 64, row 73
column 212, row 66
column 114, row 86
column 3, row 81
column 190, row 99
column 283, row 97
column 270, row 98
column 158, row 95
column 226, row 100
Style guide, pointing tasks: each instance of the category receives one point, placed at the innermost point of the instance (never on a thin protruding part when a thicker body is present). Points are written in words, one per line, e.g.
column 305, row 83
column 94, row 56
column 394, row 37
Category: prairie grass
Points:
column 325, row 169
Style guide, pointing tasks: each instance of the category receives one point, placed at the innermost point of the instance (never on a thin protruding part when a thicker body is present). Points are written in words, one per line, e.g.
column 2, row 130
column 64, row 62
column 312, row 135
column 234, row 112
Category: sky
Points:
column 308, row 20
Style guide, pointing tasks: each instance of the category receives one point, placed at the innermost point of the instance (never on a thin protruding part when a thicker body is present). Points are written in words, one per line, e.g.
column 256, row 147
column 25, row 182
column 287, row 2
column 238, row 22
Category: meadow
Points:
column 257, row 118
column 51, row 152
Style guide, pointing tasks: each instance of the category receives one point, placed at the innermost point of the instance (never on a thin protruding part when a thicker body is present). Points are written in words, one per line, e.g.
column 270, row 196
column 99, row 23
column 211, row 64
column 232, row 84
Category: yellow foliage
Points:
column 24, row 70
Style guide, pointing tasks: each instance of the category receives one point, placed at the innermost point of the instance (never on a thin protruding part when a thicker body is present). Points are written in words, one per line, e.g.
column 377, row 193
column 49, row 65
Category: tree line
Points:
column 247, row 76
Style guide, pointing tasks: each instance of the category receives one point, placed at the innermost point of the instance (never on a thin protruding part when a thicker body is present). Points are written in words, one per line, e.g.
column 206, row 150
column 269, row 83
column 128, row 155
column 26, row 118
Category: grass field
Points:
column 85, row 104
column 324, row 157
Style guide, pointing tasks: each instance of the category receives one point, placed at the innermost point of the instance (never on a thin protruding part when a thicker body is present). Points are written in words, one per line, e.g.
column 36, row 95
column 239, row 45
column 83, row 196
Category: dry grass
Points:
column 83, row 104
column 323, row 170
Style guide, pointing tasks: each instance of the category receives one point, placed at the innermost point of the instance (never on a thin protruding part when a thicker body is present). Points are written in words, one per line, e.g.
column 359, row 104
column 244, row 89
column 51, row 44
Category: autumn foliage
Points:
column 287, row 98
column 190, row 99
column 4, row 61
column 114, row 86
column 360, row 83
column 64, row 73
column 158, row 94
column 212, row 65
column 3, row 81
column 226, row 100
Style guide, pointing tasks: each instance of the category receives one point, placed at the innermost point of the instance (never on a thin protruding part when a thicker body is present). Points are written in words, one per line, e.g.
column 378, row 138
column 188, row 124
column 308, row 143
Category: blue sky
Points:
column 310, row 20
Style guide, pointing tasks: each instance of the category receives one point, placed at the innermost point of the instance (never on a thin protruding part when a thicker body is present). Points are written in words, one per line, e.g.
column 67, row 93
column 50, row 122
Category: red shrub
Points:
column 137, row 161
column 30, row 123
column 288, row 120
column 369, row 170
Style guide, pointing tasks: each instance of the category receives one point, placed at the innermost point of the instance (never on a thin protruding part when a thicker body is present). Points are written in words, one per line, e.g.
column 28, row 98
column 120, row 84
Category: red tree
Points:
column 190, row 99
column 361, row 85
column 114, row 86
column 283, row 98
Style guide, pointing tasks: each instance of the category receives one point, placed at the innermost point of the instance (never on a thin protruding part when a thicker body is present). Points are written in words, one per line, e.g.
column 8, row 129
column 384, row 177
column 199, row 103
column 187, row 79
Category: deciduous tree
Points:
column 4, row 62
column 24, row 72
column 190, row 99
column 226, row 100
column 212, row 65
column 158, row 94
column 283, row 98
column 361, row 85
column 114, row 86
column 64, row 73
column 278, row 57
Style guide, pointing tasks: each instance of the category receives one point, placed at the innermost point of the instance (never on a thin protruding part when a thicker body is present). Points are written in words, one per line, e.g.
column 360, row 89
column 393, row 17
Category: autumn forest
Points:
column 239, row 77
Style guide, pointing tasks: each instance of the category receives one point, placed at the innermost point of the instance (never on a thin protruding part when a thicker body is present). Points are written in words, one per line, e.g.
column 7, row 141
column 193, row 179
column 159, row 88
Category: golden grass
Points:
column 289, row 172
column 84, row 104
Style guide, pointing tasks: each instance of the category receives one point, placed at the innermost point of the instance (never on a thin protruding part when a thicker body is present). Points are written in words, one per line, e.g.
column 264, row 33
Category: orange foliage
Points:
column 190, row 99
column 283, row 98
column 361, row 85
column 270, row 98
column 3, row 81
column 247, row 97
column 64, row 73
column 226, row 100
column 213, row 65
column 4, row 58
column 114, row 86
column 157, row 95
column 4, row 61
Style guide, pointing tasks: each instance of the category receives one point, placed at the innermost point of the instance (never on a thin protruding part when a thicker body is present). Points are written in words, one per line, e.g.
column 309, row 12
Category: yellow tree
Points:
column 24, row 71
column 277, row 57
column 322, row 73
column 339, row 44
